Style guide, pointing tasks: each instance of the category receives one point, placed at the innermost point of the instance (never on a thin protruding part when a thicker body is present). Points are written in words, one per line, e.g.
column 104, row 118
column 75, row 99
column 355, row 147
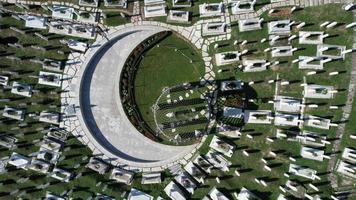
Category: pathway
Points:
column 345, row 115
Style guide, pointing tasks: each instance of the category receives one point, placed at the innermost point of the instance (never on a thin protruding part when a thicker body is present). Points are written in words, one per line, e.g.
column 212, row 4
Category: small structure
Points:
column 309, row 62
column 311, row 37
column 211, row 10
column 221, row 146
column 88, row 17
column 57, row 133
column 13, row 113
column 302, row 171
column 312, row 154
column 151, row 178
column 122, row 176
column 254, row 65
column 314, row 91
column 3, row 163
column 52, row 145
column 295, row 189
column 311, row 139
column 19, row 161
column 228, row 130
column 218, row 160
column 174, row 192
column 8, row 141
column 61, row 174
column 330, row 51
column 178, row 16
column 48, row 155
column 62, row 12
column 197, row 173
column 258, row 116
column 21, row 89
column 77, row 46
column 317, row 122
column 185, row 180
column 98, row 165
column 203, row 164
column 243, row 6
column 49, row 78
column 227, row 58
column 50, row 196
column 282, row 119
column 347, row 169
column 39, row 166
column 89, row 3
column 287, row 104
column 281, row 27
column 50, row 117
column 245, row 194
column 4, row 80
column 215, row 194
column 114, row 3
column 87, row 31
column 154, row 8
column 214, row 28
column 250, row 24
column 233, row 112
column 38, row 22
column 181, row 3
column 53, row 65
column 136, row 194
column 231, row 85
column 349, row 155
column 282, row 51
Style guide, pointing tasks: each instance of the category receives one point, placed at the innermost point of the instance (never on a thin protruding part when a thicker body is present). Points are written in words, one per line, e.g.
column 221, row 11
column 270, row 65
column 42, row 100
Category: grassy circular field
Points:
column 173, row 61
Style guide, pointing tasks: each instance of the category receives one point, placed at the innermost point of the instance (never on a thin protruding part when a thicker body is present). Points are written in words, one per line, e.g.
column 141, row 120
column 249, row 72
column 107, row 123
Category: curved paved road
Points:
column 101, row 114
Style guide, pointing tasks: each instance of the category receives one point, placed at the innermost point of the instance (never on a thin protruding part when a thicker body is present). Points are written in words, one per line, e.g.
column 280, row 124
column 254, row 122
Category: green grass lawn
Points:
column 170, row 63
column 286, row 71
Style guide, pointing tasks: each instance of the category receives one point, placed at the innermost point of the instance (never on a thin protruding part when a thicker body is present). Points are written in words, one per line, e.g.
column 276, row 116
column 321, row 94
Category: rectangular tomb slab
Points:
column 258, row 116
column 309, row 62
column 21, row 89
column 314, row 91
column 244, row 6
column 49, row 78
column 282, row 119
column 14, row 113
column 311, row 37
column 282, row 51
column 36, row 22
column 330, row 51
column 181, row 3
column 347, row 169
column 173, row 191
column 62, row 12
column 231, row 85
column 178, row 16
column 250, row 24
column 287, row 104
column 213, row 29
column 302, row 171
column 281, row 27
column 317, row 122
column 212, row 9
column 312, row 154
column 227, row 58
column 254, row 65
column 155, row 10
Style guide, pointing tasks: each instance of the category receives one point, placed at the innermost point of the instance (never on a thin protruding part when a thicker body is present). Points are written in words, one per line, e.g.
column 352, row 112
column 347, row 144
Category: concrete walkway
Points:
column 345, row 115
